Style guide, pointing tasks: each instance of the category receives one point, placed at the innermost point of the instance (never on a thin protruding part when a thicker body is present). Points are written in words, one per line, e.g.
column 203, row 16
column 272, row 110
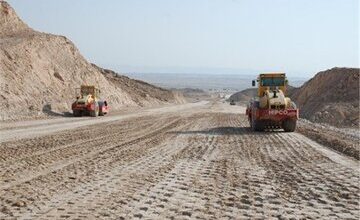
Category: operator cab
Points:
column 270, row 82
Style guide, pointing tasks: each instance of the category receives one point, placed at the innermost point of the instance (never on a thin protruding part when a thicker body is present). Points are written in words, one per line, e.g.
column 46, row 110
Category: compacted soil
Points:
column 190, row 161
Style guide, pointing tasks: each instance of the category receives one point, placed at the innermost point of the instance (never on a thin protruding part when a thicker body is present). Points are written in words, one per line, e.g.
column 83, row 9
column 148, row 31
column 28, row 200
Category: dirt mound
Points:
column 344, row 140
column 193, row 95
column 39, row 73
column 244, row 95
column 331, row 97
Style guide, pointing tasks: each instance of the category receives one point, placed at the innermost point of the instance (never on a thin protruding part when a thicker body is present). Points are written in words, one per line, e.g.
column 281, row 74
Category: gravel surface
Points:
column 194, row 161
column 344, row 140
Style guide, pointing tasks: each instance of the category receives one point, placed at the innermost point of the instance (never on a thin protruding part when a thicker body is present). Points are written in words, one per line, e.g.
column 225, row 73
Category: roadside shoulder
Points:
column 344, row 140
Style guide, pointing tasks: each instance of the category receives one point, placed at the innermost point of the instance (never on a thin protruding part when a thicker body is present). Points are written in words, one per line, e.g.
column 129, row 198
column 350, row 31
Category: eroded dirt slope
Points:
column 244, row 96
column 39, row 73
column 201, row 162
column 142, row 93
column 331, row 97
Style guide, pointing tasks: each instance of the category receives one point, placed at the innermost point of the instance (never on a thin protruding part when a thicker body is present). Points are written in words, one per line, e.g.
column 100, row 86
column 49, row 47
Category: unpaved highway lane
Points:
column 197, row 162
column 19, row 130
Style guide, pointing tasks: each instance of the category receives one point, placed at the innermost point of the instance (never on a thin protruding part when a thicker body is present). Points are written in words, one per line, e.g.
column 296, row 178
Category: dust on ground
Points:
column 195, row 161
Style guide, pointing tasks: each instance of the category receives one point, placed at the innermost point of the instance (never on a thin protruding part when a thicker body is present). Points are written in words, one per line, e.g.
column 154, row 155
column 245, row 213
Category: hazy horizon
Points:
column 300, row 37
column 205, row 71
column 206, row 82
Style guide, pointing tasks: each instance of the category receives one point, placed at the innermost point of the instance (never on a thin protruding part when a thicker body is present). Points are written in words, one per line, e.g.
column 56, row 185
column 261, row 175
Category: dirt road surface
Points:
column 191, row 161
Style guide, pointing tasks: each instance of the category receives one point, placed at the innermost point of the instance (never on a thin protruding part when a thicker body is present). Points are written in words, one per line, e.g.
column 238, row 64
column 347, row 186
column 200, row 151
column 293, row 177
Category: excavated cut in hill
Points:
column 39, row 73
column 332, row 97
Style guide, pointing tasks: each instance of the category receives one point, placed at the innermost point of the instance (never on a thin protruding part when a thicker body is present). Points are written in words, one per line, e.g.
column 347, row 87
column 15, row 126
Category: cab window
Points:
column 273, row 81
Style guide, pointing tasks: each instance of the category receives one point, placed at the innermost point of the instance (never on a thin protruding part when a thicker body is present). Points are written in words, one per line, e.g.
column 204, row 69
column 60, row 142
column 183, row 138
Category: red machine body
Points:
column 270, row 118
column 103, row 107
column 270, row 108
column 273, row 114
column 88, row 102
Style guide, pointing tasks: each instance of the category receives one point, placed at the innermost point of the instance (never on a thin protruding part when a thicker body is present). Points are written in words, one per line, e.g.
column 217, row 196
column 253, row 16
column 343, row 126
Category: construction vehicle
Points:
column 88, row 102
column 232, row 102
column 271, row 109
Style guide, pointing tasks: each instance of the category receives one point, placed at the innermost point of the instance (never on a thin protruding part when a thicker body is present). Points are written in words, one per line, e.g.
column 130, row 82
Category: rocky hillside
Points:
column 39, row 73
column 142, row 93
column 332, row 97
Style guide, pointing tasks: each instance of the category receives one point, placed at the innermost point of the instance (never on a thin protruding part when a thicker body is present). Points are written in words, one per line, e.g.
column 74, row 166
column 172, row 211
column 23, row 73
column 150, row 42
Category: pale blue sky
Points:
column 300, row 37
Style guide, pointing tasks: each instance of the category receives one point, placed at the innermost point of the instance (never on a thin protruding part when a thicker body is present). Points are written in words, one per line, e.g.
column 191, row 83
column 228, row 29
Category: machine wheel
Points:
column 250, row 122
column 95, row 112
column 76, row 113
column 101, row 105
column 289, row 125
column 257, row 125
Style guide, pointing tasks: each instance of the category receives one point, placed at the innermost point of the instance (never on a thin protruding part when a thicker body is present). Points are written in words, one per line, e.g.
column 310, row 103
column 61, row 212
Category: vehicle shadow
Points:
column 228, row 131
column 48, row 111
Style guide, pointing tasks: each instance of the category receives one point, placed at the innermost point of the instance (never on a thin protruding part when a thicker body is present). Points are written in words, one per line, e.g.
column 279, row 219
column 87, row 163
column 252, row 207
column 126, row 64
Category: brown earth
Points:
column 343, row 140
column 142, row 93
column 244, row 96
column 187, row 161
column 193, row 95
column 190, row 161
column 331, row 97
column 39, row 73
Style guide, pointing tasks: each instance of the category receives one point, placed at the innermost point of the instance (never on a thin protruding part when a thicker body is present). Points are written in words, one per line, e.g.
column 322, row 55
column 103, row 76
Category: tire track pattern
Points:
column 193, row 166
